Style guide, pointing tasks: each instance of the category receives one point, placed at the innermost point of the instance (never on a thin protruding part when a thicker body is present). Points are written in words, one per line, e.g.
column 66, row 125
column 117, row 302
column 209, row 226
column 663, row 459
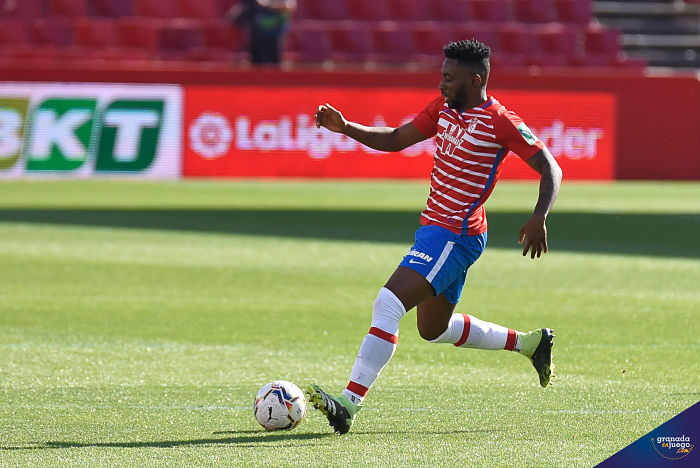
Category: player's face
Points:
column 454, row 84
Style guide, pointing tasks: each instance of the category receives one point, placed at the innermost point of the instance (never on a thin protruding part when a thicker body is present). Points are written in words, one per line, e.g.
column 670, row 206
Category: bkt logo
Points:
column 61, row 134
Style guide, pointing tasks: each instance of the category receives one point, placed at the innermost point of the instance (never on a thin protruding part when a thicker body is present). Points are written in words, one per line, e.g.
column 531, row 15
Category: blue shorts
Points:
column 443, row 257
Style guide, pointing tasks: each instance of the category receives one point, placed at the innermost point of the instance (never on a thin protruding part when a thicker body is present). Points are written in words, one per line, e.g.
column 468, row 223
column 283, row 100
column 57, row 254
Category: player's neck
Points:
column 476, row 100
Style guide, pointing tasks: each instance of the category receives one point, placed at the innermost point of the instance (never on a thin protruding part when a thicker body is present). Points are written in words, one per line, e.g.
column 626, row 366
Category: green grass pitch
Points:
column 138, row 320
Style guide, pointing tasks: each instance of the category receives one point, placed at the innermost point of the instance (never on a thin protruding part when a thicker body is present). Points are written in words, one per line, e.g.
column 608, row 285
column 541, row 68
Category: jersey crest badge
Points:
column 472, row 125
column 452, row 138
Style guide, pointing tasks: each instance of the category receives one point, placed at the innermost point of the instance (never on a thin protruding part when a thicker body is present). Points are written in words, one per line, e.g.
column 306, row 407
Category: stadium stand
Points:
column 398, row 33
column 534, row 11
column 155, row 9
column 137, row 34
column 573, row 12
column 26, row 9
column 400, row 10
column 200, row 9
column 369, row 10
column 666, row 33
column 110, row 8
column 68, row 8
column 351, row 42
column 451, row 11
column 492, row 12
column 95, row 33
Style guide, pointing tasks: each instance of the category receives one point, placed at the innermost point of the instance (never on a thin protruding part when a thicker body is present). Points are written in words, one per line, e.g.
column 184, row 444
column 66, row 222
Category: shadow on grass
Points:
column 630, row 234
column 247, row 437
column 239, row 438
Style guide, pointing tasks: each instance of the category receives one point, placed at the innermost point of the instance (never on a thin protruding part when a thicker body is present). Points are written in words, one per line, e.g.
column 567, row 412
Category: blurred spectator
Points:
column 8, row 6
column 267, row 21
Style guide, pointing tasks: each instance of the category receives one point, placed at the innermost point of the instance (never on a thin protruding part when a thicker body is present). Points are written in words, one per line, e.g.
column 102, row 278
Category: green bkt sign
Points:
column 61, row 134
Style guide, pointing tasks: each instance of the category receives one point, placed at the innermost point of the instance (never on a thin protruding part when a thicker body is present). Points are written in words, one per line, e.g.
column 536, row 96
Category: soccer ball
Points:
column 280, row 405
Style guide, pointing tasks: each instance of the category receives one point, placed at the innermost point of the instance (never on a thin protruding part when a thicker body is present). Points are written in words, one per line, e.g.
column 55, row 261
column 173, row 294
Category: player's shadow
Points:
column 242, row 438
column 238, row 438
column 634, row 234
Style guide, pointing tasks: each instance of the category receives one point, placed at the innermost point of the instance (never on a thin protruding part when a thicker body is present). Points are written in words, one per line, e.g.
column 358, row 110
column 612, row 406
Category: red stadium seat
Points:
column 368, row 10
column 311, row 41
column 393, row 42
column 22, row 9
column 574, row 11
column 516, row 44
column 99, row 39
column 95, row 33
column 326, row 10
column 137, row 33
column 67, row 8
column 201, row 9
column 493, row 11
column 557, row 39
column 155, row 8
column 351, row 41
column 114, row 54
column 602, row 42
column 451, row 10
column 222, row 36
column 15, row 37
column 534, row 11
column 177, row 39
column 559, row 45
column 430, row 37
column 200, row 54
column 402, row 10
column 14, row 31
column 52, row 32
column 484, row 33
column 111, row 8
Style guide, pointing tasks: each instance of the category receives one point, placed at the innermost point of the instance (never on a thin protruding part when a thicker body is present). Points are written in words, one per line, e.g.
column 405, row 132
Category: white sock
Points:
column 377, row 347
column 468, row 331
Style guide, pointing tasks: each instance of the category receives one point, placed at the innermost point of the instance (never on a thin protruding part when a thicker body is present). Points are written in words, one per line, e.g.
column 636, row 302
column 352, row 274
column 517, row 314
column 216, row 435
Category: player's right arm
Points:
column 379, row 138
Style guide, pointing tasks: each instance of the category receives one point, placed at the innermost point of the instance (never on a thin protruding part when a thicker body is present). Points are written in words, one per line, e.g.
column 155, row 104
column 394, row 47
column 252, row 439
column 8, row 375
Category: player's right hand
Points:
column 331, row 118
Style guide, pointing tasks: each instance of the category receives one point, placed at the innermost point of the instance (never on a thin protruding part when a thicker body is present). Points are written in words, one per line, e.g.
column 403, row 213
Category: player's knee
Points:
column 430, row 331
column 387, row 305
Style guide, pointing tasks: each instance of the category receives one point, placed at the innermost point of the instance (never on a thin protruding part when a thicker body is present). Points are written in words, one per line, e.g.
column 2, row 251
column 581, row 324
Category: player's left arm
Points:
column 534, row 233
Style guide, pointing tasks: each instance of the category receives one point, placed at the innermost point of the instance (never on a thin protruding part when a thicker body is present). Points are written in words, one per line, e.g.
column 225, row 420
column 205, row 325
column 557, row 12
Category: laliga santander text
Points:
column 212, row 135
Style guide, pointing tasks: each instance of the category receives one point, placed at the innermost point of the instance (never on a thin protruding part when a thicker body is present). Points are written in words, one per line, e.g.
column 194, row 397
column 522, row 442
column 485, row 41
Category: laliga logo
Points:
column 210, row 135
column 672, row 448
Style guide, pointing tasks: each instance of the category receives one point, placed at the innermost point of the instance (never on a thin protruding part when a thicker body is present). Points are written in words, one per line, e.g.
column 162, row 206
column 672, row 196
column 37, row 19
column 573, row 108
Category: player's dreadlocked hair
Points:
column 470, row 52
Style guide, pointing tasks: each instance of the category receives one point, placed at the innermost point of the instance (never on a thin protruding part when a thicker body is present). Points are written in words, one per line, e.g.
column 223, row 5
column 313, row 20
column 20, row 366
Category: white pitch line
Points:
column 141, row 407
column 249, row 408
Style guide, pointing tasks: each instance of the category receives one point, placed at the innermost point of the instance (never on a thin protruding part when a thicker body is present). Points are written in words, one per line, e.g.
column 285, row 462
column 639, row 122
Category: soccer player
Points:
column 474, row 132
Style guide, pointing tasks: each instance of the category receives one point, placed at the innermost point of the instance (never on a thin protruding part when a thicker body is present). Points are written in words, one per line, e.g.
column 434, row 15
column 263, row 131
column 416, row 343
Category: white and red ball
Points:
column 280, row 405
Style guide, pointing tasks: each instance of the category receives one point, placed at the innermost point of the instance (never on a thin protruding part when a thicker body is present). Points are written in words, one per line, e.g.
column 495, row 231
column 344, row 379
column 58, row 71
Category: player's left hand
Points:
column 534, row 234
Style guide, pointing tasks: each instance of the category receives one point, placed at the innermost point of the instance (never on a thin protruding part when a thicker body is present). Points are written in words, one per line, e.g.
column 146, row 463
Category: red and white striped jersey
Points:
column 471, row 147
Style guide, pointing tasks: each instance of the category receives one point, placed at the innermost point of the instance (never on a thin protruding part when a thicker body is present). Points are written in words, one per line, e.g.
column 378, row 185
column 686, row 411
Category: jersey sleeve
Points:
column 514, row 135
column 426, row 121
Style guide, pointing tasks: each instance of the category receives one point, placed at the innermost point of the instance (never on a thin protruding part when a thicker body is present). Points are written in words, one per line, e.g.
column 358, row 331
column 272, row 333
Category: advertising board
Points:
column 251, row 131
column 81, row 130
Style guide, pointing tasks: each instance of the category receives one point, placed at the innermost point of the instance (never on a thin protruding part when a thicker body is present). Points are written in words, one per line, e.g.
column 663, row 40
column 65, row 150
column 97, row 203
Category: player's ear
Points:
column 476, row 80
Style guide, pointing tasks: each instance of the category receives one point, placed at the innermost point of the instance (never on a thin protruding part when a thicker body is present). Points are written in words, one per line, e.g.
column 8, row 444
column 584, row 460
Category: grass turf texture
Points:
column 138, row 320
